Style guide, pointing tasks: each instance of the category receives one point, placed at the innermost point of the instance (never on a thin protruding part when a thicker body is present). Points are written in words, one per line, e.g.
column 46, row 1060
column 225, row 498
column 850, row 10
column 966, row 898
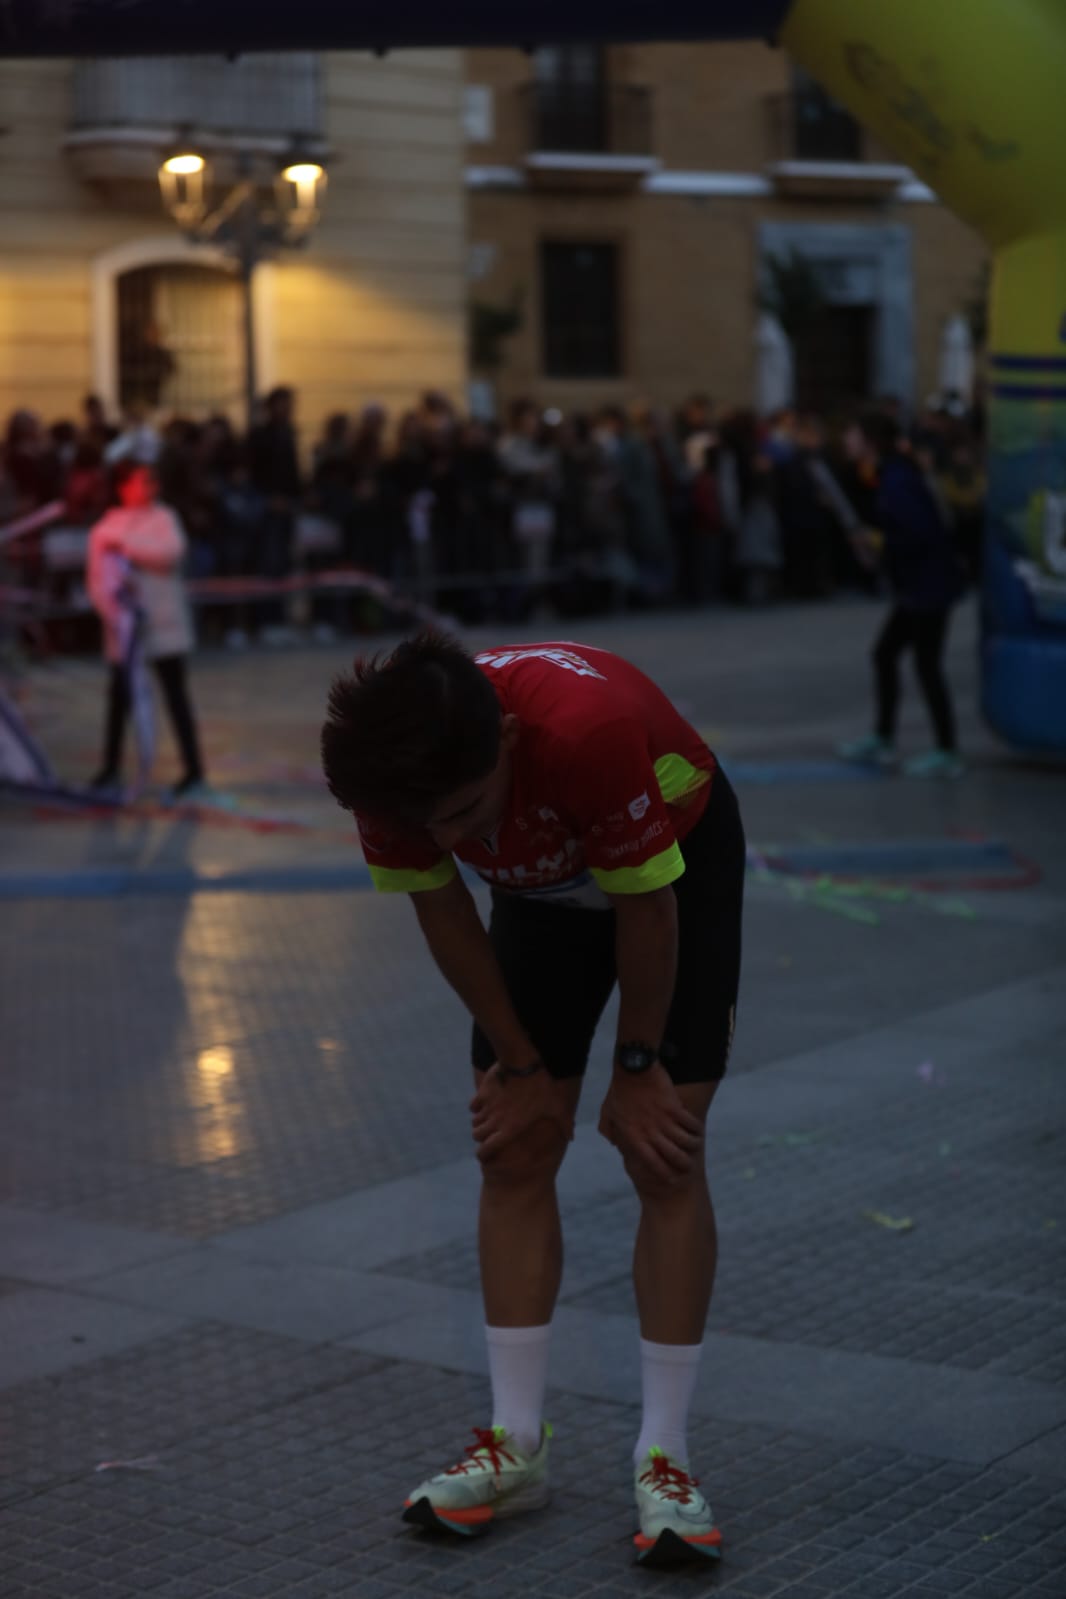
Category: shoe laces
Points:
column 667, row 1480
column 487, row 1450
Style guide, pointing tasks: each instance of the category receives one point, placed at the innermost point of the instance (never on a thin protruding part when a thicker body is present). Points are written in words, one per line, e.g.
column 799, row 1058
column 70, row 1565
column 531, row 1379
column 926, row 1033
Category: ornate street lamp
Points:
column 241, row 223
column 182, row 180
column 299, row 190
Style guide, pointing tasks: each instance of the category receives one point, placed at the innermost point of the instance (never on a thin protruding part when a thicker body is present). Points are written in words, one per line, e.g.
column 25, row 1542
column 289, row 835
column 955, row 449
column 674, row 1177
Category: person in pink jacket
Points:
column 147, row 539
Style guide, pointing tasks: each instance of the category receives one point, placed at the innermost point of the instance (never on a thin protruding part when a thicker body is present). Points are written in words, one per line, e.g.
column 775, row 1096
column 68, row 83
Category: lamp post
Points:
column 243, row 223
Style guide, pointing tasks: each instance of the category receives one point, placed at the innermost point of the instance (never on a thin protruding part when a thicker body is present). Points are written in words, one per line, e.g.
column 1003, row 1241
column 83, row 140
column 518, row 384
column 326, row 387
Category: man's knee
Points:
column 532, row 1159
column 662, row 1188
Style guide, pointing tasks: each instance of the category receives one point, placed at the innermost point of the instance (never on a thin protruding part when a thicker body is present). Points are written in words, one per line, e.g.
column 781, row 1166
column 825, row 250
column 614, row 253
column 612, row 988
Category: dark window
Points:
column 570, row 105
column 576, row 66
column 579, row 310
column 821, row 129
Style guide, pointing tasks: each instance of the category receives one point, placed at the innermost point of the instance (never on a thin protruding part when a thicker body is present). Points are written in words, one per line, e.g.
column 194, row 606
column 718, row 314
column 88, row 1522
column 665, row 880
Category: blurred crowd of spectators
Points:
column 585, row 513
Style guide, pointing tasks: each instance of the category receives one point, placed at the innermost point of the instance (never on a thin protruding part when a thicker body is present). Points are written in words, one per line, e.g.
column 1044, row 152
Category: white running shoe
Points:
column 494, row 1480
column 676, row 1522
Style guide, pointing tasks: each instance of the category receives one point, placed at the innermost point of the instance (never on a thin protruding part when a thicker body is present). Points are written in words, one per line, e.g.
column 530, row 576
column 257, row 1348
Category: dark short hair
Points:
column 404, row 731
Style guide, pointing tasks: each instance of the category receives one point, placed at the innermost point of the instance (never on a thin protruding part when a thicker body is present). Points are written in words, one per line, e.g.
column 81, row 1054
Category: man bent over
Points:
column 614, row 850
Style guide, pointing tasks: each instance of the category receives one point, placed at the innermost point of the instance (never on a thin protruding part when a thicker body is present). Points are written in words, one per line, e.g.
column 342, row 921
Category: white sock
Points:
column 668, row 1379
column 518, row 1368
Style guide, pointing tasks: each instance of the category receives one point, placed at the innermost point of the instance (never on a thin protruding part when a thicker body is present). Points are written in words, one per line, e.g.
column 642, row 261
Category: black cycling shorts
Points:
column 559, row 966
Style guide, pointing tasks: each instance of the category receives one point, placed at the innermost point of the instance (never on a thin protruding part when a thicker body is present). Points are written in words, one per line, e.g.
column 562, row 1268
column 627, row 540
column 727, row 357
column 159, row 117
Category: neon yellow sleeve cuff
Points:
column 656, row 873
column 678, row 779
column 394, row 880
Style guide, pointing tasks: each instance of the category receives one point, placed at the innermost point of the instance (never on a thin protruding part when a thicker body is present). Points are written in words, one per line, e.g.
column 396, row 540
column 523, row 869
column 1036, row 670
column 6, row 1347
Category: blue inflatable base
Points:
column 1024, row 691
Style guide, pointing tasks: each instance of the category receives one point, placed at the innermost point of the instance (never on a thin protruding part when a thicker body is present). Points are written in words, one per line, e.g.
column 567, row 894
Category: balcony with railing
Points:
column 587, row 135
column 817, row 150
column 125, row 111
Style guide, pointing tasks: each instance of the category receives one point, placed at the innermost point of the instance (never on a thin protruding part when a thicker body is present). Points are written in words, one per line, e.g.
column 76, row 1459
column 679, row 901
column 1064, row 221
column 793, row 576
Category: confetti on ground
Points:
column 892, row 1224
column 854, row 898
column 827, row 900
column 927, row 1071
column 945, row 1149
column 142, row 1463
column 953, row 907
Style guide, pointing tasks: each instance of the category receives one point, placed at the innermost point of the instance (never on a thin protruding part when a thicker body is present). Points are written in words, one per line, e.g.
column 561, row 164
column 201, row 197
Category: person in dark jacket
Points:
column 275, row 475
column 919, row 558
column 816, row 515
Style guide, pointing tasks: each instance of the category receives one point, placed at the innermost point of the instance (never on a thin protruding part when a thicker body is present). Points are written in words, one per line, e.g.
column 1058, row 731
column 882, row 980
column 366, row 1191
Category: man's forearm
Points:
column 646, row 959
column 460, row 946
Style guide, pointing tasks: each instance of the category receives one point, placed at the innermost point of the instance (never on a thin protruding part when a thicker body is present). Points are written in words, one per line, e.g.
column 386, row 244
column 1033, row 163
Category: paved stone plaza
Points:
column 238, row 1294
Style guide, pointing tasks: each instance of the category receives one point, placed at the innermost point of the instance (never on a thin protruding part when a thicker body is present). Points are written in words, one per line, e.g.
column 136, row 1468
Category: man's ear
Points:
column 509, row 729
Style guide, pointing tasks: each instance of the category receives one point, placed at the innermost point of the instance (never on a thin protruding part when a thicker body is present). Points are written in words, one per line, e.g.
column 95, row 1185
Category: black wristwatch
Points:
column 635, row 1057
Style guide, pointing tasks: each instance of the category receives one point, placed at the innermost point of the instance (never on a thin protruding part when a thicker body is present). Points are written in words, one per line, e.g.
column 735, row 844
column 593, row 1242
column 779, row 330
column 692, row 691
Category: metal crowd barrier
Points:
column 60, row 595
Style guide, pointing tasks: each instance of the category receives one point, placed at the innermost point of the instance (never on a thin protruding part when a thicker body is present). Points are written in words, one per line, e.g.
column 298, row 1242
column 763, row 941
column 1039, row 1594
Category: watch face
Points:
column 636, row 1057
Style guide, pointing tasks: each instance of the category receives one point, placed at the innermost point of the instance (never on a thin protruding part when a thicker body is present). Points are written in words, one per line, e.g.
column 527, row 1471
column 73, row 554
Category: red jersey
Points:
column 607, row 778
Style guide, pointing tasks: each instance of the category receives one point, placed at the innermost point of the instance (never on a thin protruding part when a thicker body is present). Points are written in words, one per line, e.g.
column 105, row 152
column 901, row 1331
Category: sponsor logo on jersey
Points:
column 567, row 659
column 546, row 869
column 632, row 845
column 639, row 806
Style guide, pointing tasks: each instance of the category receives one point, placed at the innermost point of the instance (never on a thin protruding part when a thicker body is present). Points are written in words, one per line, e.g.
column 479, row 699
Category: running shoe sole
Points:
column 475, row 1520
column 467, row 1523
column 669, row 1549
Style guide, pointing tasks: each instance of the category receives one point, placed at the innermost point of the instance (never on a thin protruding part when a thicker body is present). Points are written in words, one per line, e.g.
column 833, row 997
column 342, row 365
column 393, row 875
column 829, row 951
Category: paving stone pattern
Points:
column 214, row 1077
column 274, row 1468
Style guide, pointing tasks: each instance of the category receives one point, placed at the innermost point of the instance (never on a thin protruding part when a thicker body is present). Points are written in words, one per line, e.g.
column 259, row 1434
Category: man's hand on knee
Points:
column 644, row 1118
column 505, row 1108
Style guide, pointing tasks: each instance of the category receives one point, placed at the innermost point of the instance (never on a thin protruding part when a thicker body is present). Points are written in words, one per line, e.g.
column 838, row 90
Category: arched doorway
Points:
column 180, row 339
column 146, row 281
